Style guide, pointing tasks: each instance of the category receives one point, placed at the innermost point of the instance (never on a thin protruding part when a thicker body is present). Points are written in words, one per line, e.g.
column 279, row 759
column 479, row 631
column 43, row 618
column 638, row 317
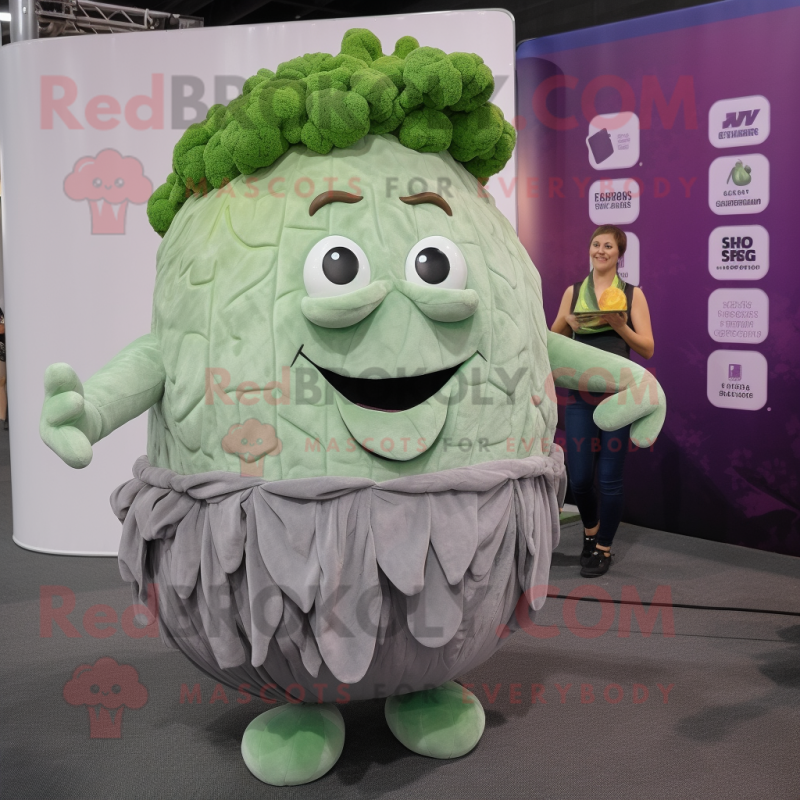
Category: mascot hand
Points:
column 642, row 405
column 69, row 424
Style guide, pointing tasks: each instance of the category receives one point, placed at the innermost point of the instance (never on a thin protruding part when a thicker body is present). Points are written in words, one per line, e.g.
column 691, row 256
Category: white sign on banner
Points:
column 738, row 184
column 737, row 379
column 614, row 202
column 87, row 129
column 628, row 267
column 613, row 140
column 738, row 315
column 739, row 121
column 738, row 253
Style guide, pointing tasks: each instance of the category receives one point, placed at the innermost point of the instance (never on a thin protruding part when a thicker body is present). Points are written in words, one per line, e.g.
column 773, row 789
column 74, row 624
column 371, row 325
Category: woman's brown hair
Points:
column 619, row 237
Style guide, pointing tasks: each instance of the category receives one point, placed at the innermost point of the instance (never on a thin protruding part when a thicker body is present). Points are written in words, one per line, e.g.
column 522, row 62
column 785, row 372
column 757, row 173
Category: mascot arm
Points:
column 74, row 416
column 637, row 398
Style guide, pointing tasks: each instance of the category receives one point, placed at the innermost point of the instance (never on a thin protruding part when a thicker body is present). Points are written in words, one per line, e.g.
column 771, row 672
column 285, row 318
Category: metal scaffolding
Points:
column 52, row 18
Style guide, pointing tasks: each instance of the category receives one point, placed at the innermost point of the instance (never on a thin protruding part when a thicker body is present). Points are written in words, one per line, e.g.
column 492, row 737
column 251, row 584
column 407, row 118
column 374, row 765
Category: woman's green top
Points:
column 604, row 337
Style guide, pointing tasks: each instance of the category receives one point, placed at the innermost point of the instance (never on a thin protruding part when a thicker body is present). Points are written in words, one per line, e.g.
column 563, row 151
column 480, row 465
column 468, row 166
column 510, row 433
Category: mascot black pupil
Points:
column 433, row 266
column 340, row 265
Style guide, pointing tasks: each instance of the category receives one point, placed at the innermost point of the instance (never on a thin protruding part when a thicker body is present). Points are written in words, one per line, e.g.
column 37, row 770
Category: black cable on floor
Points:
column 674, row 605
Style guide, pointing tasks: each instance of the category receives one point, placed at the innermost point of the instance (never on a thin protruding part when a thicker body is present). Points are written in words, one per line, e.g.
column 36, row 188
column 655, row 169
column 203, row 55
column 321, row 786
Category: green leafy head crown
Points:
column 430, row 100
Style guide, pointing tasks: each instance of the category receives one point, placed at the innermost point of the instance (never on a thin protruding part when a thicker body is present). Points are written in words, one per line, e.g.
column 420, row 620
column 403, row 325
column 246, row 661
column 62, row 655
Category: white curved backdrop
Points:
column 80, row 259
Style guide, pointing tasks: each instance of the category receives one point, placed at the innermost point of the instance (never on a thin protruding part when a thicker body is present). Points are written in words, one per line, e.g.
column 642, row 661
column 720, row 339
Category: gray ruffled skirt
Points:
column 326, row 589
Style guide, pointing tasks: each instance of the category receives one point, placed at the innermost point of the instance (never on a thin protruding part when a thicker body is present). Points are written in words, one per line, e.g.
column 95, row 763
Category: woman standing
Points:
column 588, row 448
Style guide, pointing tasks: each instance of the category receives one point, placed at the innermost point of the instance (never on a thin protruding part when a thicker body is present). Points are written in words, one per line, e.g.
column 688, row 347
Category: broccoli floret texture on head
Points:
column 432, row 101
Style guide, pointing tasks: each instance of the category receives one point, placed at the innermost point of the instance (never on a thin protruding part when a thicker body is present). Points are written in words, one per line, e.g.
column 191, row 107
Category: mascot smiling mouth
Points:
column 387, row 394
column 395, row 418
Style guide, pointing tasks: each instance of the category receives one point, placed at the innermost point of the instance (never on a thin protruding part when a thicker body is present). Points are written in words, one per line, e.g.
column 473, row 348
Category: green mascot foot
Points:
column 293, row 744
column 446, row 722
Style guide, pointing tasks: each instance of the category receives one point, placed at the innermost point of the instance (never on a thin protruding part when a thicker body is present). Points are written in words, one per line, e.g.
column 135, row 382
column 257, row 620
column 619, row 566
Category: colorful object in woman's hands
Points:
column 612, row 299
column 588, row 319
column 589, row 311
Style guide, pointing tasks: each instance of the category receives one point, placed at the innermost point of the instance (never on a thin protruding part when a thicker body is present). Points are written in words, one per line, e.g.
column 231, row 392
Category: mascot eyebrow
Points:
column 346, row 197
column 332, row 197
column 428, row 197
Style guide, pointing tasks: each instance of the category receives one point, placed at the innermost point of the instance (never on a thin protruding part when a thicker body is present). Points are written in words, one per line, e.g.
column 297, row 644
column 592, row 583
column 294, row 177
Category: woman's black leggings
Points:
column 590, row 449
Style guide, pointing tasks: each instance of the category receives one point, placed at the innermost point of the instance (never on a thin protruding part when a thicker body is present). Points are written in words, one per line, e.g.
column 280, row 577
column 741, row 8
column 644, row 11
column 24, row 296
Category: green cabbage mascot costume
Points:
column 350, row 478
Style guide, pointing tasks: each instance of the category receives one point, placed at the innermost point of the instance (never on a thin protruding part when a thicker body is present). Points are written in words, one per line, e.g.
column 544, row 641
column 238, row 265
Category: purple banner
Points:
column 683, row 129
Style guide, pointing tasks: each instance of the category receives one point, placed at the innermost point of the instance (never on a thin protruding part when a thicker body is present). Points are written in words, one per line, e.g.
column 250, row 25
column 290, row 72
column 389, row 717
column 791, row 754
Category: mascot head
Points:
column 336, row 292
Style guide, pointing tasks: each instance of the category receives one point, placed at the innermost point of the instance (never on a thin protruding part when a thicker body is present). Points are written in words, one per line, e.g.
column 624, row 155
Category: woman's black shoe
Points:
column 597, row 564
column 588, row 548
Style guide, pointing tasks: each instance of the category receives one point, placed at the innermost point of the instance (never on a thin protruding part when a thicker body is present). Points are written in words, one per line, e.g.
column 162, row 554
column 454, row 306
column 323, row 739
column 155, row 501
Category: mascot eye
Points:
column 335, row 266
column 436, row 261
column 432, row 265
column 119, row 183
column 340, row 265
column 97, row 182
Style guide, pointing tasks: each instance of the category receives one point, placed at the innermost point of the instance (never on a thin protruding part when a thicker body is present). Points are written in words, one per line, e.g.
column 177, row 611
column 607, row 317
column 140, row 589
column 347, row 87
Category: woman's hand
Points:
column 572, row 321
column 565, row 322
column 616, row 321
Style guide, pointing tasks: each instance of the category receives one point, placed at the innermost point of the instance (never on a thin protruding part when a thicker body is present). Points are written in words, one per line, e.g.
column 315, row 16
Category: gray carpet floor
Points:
column 599, row 701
